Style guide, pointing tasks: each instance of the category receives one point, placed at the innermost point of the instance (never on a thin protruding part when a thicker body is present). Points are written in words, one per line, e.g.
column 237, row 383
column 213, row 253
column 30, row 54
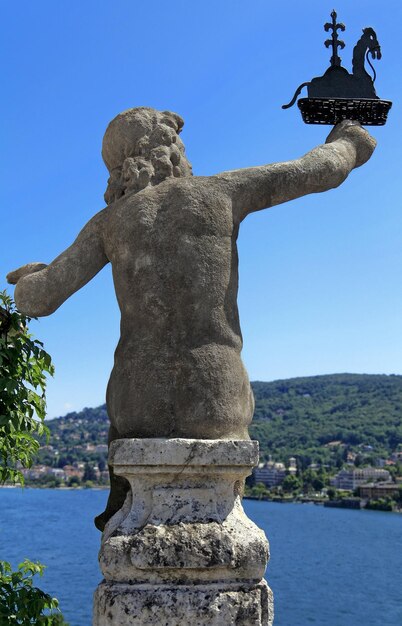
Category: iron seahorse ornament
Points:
column 339, row 95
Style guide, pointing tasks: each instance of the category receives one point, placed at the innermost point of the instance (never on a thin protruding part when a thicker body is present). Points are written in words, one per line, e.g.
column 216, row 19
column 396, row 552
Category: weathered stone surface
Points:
column 25, row 270
column 197, row 605
column 183, row 519
column 185, row 552
column 171, row 239
column 181, row 452
column 182, row 550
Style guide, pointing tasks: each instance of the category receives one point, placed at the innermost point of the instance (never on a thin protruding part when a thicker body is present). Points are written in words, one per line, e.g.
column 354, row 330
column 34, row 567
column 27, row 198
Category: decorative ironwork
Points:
column 339, row 95
column 332, row 111
column 334, row 42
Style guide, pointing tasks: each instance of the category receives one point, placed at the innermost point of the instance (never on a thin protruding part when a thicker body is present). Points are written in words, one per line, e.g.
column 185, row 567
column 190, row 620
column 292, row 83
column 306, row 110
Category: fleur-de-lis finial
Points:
column 334, row 41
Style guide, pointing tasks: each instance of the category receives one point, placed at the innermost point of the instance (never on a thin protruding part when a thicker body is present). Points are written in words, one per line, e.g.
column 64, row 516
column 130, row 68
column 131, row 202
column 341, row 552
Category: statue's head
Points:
column 142, row 147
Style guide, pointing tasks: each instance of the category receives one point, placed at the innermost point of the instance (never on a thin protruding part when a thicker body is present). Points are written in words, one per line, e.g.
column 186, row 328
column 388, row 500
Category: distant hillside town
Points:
column 331, row 438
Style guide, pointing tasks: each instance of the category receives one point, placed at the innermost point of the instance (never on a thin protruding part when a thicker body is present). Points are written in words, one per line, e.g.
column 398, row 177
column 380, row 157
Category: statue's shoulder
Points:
column 192, row 185
column 174, row 187
column 173, row 190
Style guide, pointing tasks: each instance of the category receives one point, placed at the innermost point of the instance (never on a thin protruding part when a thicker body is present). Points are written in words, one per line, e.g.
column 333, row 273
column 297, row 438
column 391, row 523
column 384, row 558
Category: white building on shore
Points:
column 272, row 474
column 349, row 480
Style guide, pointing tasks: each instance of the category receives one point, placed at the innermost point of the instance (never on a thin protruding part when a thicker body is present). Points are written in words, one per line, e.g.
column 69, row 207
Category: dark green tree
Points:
column 291, row 483
column 89, row 473
column 24, row 365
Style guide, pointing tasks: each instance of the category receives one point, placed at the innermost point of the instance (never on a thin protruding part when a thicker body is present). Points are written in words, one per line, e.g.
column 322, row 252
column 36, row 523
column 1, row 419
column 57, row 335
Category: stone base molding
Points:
column 182, row 551
column 195, row 605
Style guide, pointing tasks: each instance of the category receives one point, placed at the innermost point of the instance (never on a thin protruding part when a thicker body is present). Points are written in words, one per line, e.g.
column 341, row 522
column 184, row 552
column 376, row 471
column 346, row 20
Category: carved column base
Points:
column 181, row 551
column 198, row 605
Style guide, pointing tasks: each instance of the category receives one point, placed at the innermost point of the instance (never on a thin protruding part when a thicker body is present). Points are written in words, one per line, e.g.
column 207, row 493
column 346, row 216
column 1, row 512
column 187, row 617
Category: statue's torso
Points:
column 177, row 366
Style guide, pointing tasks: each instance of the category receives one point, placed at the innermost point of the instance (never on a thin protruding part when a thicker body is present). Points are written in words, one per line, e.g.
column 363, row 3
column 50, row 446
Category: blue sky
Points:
column 320, row 278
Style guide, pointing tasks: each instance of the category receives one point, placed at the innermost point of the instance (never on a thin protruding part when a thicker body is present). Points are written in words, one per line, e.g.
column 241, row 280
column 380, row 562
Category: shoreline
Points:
column 330, row 504
column 305, row 500
column 61, row 488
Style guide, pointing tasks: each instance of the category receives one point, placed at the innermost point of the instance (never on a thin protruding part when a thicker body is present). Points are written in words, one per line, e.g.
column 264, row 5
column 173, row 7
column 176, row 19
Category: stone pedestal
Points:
column 181, row 551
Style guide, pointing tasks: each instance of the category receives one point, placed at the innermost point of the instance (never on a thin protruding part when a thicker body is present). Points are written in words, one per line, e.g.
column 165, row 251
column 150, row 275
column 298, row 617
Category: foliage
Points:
column 74, row 481
column 382, row 504
column 331, row 493
column 399, row 496
column 259, row 491
column 72, row 435
column 23, row 603
column 291, row 483
column 320, row 418
column 89, row 473
column 313, row 481
column 23, row 368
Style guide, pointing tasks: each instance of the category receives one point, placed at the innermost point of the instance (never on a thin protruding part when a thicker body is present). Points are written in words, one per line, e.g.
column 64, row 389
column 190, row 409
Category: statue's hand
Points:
column 25, row 270
column 353, row 132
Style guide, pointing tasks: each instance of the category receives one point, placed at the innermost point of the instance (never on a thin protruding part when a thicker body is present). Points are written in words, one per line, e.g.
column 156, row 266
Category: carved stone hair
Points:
column 141, row 147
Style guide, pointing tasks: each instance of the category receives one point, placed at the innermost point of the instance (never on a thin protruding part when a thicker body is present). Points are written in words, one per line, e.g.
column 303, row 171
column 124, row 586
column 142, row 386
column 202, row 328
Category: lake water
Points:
column 330, row 567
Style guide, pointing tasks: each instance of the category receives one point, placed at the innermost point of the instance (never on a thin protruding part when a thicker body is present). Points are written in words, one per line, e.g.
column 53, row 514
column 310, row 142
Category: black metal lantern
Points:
column 338, row 95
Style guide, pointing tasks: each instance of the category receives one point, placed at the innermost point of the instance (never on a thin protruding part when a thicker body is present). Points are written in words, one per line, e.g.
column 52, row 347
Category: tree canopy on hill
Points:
column 320, row 416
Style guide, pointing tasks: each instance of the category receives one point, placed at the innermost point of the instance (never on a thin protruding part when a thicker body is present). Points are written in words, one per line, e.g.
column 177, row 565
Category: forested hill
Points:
column 318, row 418
column 321, row 416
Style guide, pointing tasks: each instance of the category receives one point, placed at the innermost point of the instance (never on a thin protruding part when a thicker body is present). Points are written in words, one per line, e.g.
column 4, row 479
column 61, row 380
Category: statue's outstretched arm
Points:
column 252, row 189
column 41, row 289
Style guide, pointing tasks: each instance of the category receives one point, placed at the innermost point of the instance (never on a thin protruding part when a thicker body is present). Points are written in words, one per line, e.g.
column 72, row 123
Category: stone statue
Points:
column 171, row 239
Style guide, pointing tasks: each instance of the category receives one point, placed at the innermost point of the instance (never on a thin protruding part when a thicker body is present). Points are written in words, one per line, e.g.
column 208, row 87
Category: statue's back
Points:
column 177, row 371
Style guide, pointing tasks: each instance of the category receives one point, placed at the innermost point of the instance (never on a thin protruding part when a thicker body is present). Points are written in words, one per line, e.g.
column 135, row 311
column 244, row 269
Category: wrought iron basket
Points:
column 333, row 110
